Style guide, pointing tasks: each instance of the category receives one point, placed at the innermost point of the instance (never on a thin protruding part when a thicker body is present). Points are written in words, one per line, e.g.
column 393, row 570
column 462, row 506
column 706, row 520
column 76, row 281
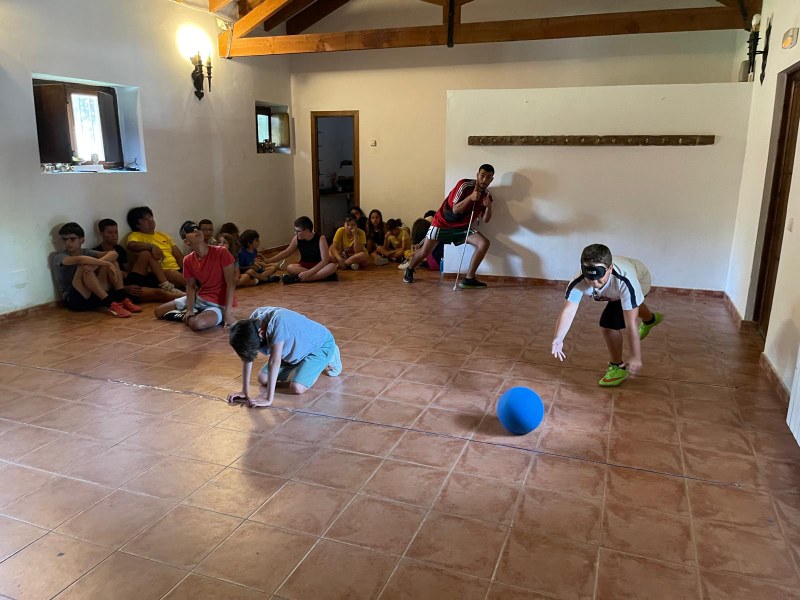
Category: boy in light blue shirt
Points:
column 299, row 349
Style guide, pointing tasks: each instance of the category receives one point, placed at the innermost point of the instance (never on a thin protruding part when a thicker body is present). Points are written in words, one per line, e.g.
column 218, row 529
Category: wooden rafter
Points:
column 216, row 5
column 286, row 13
column 751, row 7
column 313, row 14
column 258, row 15
column 656, row 21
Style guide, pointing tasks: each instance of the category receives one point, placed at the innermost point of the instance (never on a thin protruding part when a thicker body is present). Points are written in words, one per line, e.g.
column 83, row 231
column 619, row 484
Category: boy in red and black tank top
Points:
column 451, row 224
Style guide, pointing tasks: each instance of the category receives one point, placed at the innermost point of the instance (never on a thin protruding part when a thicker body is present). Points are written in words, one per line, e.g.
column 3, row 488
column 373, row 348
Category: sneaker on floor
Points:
column 408, row 277
column 644, row 328
column 289, row 278
column 355, row 266
column 272, row 279
column 128, row 305
column 403, row 265
column 174, row 315
column 115, row 309
column 168, row 286
column 380, row 261
column 472, row 284
column 332, row 277
column 335, row 366
column 614, row 375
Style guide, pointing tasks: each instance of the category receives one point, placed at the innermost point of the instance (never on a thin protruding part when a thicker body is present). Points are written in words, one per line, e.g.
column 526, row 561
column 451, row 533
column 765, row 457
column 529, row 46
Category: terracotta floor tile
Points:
column 411, row 393
column 70, row 417
column 310, row 429
column 704, row 411
column 653, row 491
column 562, row 567
column 429, row 374
column 361, row 385
column 62, row 559
column 116, row 466
column 377, row 524
column 241, row 558
column 448, row 422
column 333, row 570
column 645, row 427
column 220, row 446
column 485, row 460
column 114, row 520
column 276, row 457
column 197, row 587
column 787, row 503
column 234, row 492
column 165, row 436
column 387, row 412
column 428, row 449
column 55, row 502
column 16, row 481
column 367, row 438
column 15, row 535
column 774, row 445
column 647, row 533
column 581, row 395
column 257, row 422
column 63, row 454
column 644, row 404
column 579, row 417
column 564, row 515
column 205, row 412
column 414, row 581
column 721, row 586
column 740, row 551
column 183, row 537
column 478, row 498
column 733, row 505
column 449, row 542
column 491, row 431
column 338, row 469
column 28, row 407
column 569, row 475
column 714, row 437
column 336, row 404
column 723, row 467
column 124, row 577
column 463, row 400
column 116, row 427
column 174, row 478
column 574, row 443
column 406, row 482
column 18, row 442
column 623, row 576
column 655, row 456
column 303, row 507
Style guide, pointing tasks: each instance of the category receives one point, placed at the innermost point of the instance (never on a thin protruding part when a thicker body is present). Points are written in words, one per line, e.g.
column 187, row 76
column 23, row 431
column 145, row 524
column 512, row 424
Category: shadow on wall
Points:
column 518, row 221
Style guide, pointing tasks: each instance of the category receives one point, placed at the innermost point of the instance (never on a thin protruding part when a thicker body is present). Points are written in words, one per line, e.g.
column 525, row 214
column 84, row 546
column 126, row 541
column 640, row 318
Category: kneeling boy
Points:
column 298, row 348
column 623, row 283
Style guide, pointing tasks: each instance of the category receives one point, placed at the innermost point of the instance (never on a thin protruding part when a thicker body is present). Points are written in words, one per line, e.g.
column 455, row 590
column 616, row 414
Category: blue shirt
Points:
column 246, row 257
column 299, row 334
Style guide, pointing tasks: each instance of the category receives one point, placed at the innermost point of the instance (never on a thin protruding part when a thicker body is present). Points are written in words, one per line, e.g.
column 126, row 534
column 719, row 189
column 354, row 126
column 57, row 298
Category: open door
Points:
column 335, row 168
column 778, row 201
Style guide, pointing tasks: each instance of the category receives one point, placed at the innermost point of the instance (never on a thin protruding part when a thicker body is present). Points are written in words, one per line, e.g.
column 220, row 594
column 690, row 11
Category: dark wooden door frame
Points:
column 315, row 115
column 782, row 156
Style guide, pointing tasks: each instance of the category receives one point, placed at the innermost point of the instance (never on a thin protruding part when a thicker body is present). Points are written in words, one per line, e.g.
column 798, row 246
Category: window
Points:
column 272, row 129
column 76, row 122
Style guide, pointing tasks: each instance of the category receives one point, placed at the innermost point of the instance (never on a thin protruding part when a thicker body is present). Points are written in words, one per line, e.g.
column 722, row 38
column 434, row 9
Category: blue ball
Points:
column 520, row 410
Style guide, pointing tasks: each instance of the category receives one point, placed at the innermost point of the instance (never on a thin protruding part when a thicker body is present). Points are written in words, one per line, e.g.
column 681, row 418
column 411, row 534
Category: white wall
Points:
column 201, row 156
column 672, row 207
column 401, row 97
column 783, row 336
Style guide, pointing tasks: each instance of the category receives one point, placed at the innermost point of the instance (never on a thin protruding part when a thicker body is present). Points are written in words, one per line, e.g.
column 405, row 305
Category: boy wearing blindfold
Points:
column 623, row 283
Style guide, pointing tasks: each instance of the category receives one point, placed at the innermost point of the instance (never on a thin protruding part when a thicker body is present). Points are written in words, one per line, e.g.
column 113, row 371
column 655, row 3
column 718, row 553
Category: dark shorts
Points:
column 613, row 316
column 307, row 265
column 74, row 300
column 449, row 236
column 148, row 281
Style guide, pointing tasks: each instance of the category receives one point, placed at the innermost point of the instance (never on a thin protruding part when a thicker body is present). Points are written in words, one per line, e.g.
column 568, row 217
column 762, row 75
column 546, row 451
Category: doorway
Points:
column 778, row 201
column 335, row 168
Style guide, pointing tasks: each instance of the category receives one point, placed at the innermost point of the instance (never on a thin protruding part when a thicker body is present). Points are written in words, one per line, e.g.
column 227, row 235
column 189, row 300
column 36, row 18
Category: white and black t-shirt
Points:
column 629, row 283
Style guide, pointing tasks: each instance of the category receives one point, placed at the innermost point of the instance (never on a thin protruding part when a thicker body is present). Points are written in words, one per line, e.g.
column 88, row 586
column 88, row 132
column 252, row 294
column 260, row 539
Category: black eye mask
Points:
column 593, row 272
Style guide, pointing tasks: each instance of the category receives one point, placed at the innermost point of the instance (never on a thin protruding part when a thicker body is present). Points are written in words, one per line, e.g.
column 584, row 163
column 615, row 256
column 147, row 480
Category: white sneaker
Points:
column 355, row 266
column 403, row 265
column 380, row 261
column 168, row 286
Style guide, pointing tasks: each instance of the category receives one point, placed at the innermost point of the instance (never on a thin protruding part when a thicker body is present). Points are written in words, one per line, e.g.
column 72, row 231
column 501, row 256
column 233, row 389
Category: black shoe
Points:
column 289, row 278
column 409, row 276
column 471, row 284
column 273, row 279
column 174, row 315
column 332, row 277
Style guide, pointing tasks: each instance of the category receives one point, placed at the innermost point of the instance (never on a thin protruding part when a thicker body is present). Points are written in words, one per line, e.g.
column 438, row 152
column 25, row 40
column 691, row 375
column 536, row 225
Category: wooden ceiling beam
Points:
column 313, row 14
column 655, row 21
column 258, row 15
column 286, row 13
column 215, row 5
column 751, row 7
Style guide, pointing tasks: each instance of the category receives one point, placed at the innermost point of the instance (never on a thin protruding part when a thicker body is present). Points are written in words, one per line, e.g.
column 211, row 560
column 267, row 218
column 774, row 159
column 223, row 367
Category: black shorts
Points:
column 74, row 300
column 613, row 316
column 148, row 281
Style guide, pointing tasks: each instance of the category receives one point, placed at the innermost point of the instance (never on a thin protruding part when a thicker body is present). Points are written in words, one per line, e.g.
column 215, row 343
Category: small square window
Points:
column 272, row 129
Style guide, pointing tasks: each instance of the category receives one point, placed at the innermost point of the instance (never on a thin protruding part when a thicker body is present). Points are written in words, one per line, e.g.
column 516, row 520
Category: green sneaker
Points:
column 644, row 330
column 614, row 376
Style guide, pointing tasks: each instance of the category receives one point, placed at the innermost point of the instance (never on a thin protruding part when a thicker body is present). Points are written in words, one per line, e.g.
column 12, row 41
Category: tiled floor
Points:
column 124, row 475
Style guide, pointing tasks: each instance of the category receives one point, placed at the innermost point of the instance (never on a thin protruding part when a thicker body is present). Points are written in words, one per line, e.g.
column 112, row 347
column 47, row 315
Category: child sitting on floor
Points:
column 315, row 264
column 397, row 240
column 249, row 260
column 231, row 243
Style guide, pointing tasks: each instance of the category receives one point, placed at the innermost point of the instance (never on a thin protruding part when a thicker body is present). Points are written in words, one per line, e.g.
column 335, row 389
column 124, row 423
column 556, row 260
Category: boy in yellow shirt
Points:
column 349, row 246
column 145, row 238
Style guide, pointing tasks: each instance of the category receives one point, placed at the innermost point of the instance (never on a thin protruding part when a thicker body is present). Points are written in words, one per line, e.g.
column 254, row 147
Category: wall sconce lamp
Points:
column 197, row 75
column 753, row 51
